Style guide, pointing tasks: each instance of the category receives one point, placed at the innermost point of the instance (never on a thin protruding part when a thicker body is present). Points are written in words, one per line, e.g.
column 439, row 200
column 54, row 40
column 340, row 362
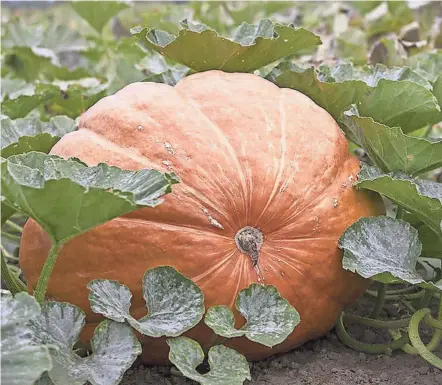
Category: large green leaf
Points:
column 395, row 97
column 227, row 367
column 252, row 46
column 62, row 195
column 114, row 346
column 389, row 148
column 270, row 318
column 98, row 13
column 421, row 197
column 25, row 135
column 22, row 360
column 175, row 304
column 383, row 249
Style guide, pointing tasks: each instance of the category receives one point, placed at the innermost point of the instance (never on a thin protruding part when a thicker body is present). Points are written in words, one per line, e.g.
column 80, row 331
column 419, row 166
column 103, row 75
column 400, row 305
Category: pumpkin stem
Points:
column 249, row 241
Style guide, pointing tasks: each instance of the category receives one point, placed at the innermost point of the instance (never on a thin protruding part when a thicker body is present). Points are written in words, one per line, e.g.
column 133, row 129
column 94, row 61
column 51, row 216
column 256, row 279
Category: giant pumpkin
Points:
column 266, row 193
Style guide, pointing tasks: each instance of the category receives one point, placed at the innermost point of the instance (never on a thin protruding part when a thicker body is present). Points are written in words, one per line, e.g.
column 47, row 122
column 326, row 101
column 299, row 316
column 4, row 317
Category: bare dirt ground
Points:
column 322, row 362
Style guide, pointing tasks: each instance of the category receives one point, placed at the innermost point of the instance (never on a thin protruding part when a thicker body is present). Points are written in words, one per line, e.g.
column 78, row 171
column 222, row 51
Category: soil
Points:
column 322, row 362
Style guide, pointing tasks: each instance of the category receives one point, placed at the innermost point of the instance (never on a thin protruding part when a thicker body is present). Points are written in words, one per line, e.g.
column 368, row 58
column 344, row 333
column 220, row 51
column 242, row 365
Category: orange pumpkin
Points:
column 249, row 155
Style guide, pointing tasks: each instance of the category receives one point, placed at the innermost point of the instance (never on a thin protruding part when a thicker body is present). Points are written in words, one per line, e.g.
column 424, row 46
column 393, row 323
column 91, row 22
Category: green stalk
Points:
column 12, row 237
column 12, row 282
column 416, row 341
column 354, row 344
column 380, row 324
column 46, row 272
column 7, row 254
column 380, row 301
column 13, row 225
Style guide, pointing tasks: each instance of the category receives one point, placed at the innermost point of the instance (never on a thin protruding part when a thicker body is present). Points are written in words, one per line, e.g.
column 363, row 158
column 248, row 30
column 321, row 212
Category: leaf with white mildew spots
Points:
column 227, row 367
column 270, row 318
column 175, row 304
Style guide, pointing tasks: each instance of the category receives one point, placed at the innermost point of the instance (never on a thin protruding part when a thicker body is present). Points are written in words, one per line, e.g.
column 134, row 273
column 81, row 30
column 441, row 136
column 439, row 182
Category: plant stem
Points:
column 46, row 272
column 380, row 301
column 16, row 227
column 425, row 300
column 7, row 254
column 416, row 341
column 380, row 324
column 12, row 237
column 12, row 282
column 352, row 343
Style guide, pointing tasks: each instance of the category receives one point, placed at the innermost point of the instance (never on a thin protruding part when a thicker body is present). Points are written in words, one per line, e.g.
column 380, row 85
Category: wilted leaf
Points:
column 114, row 346
column 175, row 304
column 270, row 318
column 394, row 97
column 420, row 197
column 22, row 360
column 389, row 148
column 98, row 13
column 60, row 194
column 252, row 46
column 227, row 367
column 25, row 135
column 383, row 249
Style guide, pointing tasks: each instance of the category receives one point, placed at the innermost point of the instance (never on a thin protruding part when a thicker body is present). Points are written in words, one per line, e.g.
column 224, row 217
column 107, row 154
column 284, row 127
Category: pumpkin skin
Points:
column 249, row 154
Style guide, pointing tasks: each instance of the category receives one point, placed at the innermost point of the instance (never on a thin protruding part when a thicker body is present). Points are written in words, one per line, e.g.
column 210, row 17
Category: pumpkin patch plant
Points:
column 210, row 200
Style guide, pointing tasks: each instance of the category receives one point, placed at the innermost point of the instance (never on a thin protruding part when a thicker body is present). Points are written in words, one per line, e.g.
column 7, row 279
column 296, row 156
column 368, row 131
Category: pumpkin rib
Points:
column 190, row 228
column 132, row 154
column 318, row 199
column 282, row 121
column 220, row 134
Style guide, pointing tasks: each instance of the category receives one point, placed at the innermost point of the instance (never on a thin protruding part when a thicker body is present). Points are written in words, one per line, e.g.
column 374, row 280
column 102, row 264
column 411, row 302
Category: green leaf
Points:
column 252, row 46
column 32, row 64
column 372, row 89
column 22, row 360
column 352, row 44
column 389, row 148
column 175, row 304
column 383, row 249
column 46, row 40
column 431, row 241
column 19, row 104
column 7, row 213
column 159, row 70
column 390, row 18
column 227, row 367
column 421, row 197
column 388, row 51
column 270, row 318
column 62, row 195
column 98, row 13
column 114, row 346
column 75, row 97
column 25, row 135
column 427, row 64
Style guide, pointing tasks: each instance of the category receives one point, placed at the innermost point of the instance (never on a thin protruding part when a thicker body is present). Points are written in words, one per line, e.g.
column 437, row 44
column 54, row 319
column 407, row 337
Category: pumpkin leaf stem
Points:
column 46, row 272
